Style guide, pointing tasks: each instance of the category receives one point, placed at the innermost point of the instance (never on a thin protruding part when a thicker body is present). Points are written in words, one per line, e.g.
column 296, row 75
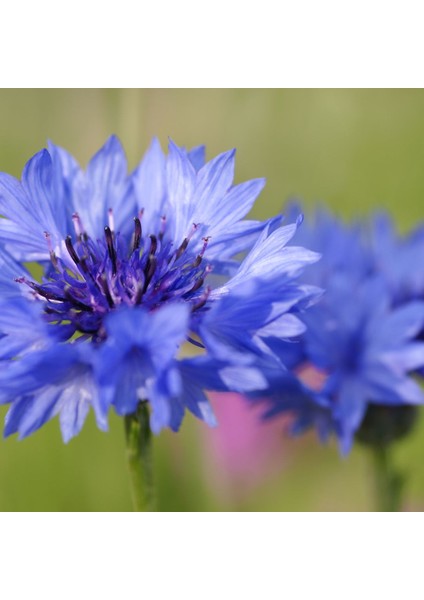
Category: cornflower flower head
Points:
column 135, row 265
column 359, row 349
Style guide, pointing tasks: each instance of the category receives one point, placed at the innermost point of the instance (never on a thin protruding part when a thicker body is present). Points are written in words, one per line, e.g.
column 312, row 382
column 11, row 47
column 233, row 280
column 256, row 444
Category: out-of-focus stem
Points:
column 388, row 482
column 140, row 458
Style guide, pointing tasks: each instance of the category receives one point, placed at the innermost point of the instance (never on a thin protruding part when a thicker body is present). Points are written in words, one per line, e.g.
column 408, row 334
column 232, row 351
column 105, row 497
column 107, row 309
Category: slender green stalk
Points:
column 389, row 483
column 140, row 458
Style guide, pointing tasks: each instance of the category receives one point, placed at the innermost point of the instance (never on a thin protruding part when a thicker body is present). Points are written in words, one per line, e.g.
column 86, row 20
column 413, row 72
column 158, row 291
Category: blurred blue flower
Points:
column 134, row 266
column 396, row 257
column 359, row 346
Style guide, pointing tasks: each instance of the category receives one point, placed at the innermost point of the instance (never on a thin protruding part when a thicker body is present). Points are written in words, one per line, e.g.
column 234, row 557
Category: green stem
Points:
column 139, row 456
column 389, row 483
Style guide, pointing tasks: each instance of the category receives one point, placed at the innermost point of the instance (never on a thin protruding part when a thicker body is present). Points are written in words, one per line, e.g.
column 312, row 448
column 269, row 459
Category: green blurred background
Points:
column 356, row 150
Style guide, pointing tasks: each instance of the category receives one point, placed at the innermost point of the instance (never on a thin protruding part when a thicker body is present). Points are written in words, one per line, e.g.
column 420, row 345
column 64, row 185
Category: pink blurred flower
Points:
column 242, row 451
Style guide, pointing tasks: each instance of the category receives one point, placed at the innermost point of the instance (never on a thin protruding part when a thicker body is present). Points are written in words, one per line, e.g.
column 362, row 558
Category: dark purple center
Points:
column 97, row 276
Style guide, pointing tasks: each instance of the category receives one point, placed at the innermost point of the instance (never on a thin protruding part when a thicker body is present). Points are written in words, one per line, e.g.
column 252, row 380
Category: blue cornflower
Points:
column 134, row 266
column 396, row 257
column 343, row 247
column 359, row 347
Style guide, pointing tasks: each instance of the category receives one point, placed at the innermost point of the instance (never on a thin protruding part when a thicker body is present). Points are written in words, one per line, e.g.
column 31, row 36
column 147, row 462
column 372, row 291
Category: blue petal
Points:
column 138, row 354
column 164, row 397
column 235, row 205
column 387, row 387
column 181, row 179
column 212, row 184
column 270, row 257
column 238, row 238
column 41, row 409
column 160, row 332
column 402, row 324
column 243, row 378
column 197, row 157
column 22, row 326
column 407, row 358
column 10, row 270
column 350, row 407
column 38, row 392
column 149, row 181
column 73, row 412
column 198, row 374
column 16, row 413
column 34, row 207
column 104, row 186
column 285, row 326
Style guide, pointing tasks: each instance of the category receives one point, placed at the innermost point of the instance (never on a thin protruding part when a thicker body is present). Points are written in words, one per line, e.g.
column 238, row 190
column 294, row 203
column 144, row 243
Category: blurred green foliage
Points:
column 356, row 150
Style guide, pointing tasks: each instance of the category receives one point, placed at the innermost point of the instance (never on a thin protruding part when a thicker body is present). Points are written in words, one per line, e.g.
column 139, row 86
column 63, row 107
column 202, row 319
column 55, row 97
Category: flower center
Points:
column 95, row 277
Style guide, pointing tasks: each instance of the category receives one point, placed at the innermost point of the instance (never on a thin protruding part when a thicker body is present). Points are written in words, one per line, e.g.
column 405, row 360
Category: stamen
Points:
column 53, row 256
column 182, row 248
column 76, row 302
column 162, row 227
column 199, row 257
column 41, row 292
column 192, row 230
column 139, row 293
column 71, row 250
column 197, row 261
column 105, row 287
column 111, row 248
column 202, row 300
column 195, row 342
column 111, row 219
column 150, row 269
column 197, row 285
column 205, row 245
column 153, row 244
column 186, row 240
column 51, row 311
column 137, row 234
column 79, row 230
column 49, row 241
column 83, row 265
